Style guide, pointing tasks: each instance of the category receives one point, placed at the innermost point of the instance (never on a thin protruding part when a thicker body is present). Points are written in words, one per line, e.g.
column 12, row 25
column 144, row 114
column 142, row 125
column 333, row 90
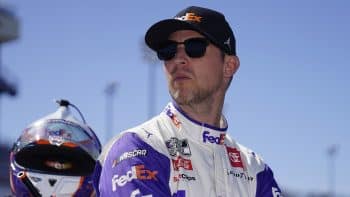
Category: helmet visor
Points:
column 57, row 146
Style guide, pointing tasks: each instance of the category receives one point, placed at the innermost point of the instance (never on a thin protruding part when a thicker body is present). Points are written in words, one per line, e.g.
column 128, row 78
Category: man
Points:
column 186, row 150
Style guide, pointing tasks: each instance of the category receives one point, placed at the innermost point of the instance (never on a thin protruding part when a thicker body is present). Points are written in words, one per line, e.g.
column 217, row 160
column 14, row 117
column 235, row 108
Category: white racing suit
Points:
column 173, row 155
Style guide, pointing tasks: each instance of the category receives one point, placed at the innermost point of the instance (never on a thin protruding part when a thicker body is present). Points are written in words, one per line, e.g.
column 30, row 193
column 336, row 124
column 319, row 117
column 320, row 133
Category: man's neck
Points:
column 208, row 112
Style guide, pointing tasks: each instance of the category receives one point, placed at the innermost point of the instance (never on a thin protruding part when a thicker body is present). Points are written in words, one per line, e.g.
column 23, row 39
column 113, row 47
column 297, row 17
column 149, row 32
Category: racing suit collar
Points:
column 187, row 128
column 223, row 123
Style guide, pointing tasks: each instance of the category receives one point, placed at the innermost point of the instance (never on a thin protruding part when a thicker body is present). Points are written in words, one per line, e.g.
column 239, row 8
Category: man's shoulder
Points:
column 252, row 160
column 145, row 134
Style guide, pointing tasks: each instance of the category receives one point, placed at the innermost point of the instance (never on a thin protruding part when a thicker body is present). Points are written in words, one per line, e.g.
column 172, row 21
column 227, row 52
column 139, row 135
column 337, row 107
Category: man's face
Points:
column 194, row 80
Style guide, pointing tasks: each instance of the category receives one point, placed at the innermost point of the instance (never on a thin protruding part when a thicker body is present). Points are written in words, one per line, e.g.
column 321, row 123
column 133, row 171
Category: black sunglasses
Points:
column 194, row 47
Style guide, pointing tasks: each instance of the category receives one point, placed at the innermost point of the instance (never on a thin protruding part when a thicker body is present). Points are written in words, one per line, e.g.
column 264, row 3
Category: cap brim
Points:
column 160, row 32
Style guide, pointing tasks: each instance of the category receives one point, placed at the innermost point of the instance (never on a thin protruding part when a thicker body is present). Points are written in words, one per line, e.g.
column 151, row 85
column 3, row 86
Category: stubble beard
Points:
column 192, row 96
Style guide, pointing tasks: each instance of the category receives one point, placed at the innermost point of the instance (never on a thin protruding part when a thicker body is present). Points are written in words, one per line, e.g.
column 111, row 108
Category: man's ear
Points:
column 231, row 65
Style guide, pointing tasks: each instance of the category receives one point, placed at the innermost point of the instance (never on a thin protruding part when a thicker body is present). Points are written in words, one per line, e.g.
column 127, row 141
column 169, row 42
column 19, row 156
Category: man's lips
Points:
column 181, row 77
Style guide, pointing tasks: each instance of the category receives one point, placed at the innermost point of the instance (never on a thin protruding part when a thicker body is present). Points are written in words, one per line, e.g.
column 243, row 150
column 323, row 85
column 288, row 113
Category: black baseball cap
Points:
column 210, row 23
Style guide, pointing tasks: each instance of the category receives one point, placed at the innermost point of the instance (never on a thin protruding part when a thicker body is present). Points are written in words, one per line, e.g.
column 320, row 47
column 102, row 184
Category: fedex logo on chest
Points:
column 207, row 138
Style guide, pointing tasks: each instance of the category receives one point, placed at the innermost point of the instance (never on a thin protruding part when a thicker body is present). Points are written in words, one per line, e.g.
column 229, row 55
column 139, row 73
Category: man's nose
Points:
column 181, row 55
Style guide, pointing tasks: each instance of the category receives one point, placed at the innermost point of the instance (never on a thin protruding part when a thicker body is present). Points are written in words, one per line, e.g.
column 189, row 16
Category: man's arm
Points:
column 132, row 168
column 267, row 185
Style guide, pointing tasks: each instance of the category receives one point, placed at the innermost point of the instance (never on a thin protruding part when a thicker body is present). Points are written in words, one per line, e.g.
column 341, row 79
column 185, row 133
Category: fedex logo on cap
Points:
column 190, row 16
column 212, row 139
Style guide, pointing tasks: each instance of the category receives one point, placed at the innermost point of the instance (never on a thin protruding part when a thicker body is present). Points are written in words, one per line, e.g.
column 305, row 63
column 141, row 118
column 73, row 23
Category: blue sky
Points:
column 289, row 101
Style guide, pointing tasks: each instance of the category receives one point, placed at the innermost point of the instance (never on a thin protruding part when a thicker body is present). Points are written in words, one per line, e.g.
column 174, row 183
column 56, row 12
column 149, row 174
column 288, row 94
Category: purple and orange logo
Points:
column 212, row 139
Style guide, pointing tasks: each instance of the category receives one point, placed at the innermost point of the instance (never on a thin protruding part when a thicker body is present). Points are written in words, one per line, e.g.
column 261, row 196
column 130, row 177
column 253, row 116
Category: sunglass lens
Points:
column 167, row 52
column 196, row 47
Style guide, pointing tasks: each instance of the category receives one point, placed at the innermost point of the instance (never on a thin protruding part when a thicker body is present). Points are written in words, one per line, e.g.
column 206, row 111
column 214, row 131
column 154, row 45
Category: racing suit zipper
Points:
column 220, row 177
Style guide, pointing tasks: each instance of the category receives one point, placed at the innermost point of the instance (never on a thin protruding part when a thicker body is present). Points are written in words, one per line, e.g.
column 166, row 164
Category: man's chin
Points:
column 180, row 98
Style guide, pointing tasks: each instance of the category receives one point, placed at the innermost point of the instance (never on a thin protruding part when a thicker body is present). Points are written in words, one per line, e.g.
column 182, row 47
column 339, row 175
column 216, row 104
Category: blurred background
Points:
column 289, row 101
